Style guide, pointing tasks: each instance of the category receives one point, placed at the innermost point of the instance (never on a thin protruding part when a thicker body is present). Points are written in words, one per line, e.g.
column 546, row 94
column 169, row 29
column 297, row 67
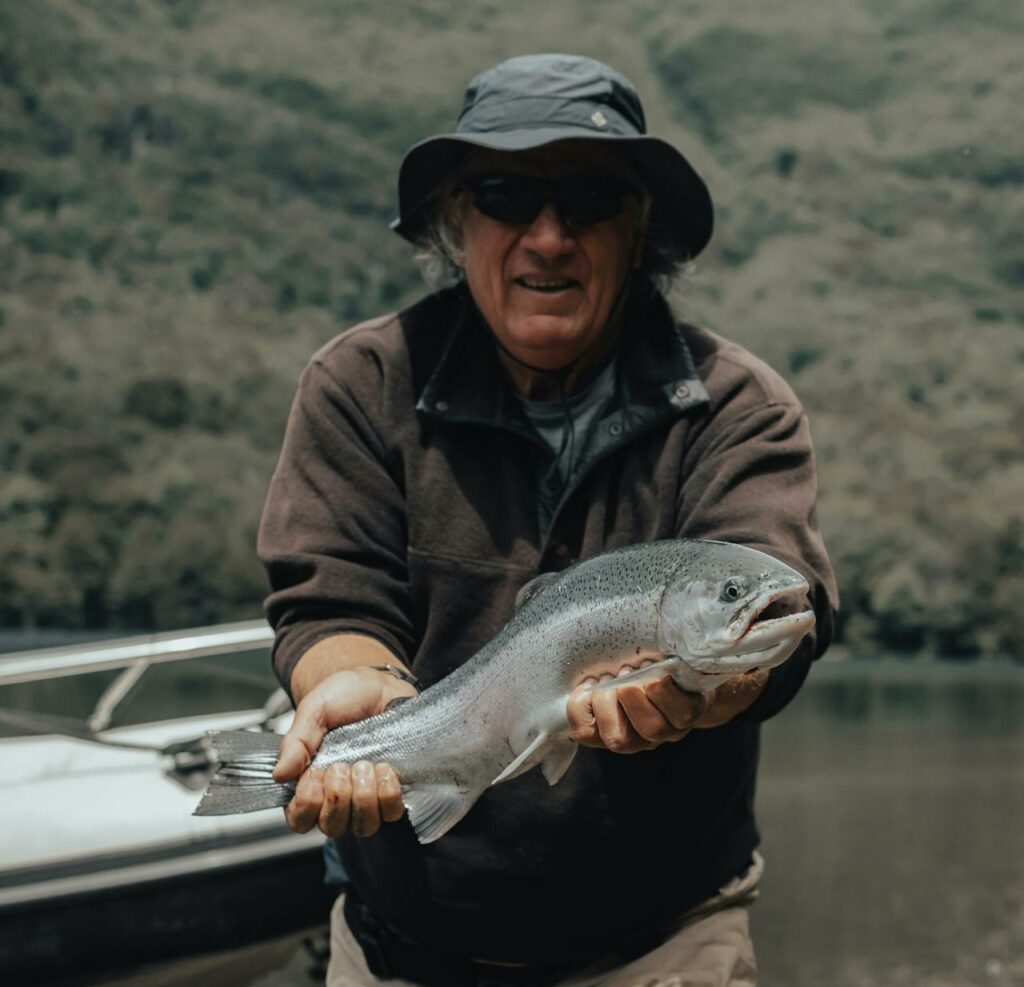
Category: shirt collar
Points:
column 657, row 373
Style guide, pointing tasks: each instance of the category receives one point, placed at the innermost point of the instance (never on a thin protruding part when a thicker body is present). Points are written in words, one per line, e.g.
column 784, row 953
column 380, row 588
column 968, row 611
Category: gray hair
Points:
column 439, row 250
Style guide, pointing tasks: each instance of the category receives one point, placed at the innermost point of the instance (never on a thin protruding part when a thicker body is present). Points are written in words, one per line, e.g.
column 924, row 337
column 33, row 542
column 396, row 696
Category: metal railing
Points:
column 135, row 655
column 126, row 652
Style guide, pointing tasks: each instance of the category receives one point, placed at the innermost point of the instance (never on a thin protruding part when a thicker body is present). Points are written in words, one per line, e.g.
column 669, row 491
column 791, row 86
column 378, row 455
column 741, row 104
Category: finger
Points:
column 336, row 813
column 681, row 709
column 301, row 741
column 614, row 728
column 294, row 758
column 580, row 713
column 646, row 719
column 365, row 805
column 389, row 793
column 303, row 811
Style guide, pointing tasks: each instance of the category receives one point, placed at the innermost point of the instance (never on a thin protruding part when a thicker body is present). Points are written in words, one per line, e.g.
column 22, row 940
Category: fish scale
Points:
column 503, row 711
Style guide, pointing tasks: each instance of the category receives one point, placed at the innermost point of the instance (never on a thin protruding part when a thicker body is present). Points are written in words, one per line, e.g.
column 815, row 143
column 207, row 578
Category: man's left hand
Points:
column 641, row 716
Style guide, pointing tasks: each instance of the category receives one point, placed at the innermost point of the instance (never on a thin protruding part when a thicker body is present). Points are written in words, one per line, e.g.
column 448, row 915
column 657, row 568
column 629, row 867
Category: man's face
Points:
column 547, row 289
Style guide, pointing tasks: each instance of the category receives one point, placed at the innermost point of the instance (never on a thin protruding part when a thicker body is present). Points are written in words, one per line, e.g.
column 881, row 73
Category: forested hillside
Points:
column 195, row 195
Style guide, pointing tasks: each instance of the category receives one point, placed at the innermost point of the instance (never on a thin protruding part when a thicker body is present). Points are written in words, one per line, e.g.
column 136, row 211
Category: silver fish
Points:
column 699, row 611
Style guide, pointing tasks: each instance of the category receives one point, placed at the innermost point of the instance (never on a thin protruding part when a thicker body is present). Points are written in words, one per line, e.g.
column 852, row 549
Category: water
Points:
column 891, row 802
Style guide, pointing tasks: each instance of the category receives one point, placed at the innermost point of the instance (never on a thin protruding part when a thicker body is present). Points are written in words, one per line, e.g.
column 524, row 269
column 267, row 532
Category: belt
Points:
column 390, row 955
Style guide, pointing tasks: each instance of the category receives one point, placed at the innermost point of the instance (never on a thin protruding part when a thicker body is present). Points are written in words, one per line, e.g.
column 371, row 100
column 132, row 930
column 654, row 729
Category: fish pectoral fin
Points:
column 557, row 760
column 434, row 809
column 649, row 673
column 529, row 590
column 526, row 759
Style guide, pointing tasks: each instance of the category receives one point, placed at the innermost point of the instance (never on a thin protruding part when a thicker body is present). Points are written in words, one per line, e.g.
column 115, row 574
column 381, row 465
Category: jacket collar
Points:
column 657, row 378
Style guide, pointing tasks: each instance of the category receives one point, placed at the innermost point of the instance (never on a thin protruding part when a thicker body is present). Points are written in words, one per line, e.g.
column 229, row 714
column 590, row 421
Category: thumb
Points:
column 300, row 743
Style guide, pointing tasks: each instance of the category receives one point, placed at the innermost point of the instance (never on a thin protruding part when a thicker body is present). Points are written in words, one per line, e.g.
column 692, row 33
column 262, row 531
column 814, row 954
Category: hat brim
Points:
column 680, row 202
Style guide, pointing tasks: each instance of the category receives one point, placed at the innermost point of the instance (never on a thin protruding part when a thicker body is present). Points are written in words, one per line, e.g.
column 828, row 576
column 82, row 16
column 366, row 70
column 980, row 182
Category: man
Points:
column 546, row 408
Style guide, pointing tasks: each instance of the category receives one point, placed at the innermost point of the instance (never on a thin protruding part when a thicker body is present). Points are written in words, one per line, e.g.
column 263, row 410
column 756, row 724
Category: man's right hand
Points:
column 343, row 797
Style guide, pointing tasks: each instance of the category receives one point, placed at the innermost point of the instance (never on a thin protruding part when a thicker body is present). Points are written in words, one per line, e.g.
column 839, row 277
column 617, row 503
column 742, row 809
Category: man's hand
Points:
column 353, row 797
column 641, row 716
column 732, row 697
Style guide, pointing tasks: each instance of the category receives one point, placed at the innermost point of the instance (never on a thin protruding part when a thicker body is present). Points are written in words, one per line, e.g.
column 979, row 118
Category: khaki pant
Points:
column 711, row 949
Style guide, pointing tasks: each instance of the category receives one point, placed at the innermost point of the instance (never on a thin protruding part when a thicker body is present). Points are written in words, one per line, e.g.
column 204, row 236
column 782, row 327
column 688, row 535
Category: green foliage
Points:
column 195, row 196
column 719, row 77
column 987, row 166
column 164, row 401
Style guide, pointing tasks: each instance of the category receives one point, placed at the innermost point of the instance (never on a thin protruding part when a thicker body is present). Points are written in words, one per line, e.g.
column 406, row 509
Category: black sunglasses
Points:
column 579, row 200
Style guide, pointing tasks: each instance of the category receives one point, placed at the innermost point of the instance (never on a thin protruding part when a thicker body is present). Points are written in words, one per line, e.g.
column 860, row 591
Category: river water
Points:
column 891, row 802
column 892, row 808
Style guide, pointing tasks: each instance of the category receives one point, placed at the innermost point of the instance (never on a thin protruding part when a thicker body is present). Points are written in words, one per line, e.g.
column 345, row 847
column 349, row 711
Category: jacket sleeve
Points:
column 750, row 480
column 333, row 535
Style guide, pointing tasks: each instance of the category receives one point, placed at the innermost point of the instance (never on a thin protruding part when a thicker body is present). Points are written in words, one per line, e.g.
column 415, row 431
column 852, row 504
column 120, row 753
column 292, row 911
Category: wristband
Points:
column 400, row 673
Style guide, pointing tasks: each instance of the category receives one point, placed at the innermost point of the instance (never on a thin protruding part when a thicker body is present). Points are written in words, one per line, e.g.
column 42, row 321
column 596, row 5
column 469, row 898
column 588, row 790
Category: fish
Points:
column 699, row 611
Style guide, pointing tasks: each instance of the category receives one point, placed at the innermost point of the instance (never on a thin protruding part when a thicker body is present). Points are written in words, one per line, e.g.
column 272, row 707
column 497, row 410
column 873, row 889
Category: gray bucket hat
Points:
column 534, row 100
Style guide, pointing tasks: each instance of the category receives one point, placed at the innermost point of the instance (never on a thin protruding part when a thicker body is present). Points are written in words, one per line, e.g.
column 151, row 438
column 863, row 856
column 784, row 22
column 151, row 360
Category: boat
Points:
column 104, row 752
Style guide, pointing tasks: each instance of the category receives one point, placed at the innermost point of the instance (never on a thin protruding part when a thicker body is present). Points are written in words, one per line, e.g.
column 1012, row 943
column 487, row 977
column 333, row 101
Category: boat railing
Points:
column 126, row 652
column 134, row 655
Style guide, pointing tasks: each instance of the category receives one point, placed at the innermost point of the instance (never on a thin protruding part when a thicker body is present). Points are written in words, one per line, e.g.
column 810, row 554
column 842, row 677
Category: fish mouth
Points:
column 774, row 628
column 781, row 617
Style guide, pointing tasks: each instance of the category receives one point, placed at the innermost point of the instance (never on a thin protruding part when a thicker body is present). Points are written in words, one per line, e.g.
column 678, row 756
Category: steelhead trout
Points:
column 698, row 611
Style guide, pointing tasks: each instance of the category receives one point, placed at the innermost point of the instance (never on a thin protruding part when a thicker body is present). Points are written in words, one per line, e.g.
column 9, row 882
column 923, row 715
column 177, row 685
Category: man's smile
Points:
column 547, row 285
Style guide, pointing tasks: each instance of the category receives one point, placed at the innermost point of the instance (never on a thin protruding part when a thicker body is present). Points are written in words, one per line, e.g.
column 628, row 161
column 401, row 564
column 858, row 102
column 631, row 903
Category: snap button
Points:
column 682, row 391
column 562, row 550
column 615, row 428
column 441, row 406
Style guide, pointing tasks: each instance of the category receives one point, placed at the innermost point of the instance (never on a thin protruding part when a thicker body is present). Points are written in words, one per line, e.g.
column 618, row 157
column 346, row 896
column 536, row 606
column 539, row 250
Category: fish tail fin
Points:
column 244, row 780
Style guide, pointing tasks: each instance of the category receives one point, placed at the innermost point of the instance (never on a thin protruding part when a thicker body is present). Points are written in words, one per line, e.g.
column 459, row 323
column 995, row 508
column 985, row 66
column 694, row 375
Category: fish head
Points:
column 730, row 609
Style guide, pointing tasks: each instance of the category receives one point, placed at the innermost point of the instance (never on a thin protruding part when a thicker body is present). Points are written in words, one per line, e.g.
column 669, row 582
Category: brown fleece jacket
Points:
column 405, row 507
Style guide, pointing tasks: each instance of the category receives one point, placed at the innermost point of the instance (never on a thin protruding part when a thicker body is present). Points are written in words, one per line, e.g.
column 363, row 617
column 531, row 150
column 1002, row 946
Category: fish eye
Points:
column 732, row 590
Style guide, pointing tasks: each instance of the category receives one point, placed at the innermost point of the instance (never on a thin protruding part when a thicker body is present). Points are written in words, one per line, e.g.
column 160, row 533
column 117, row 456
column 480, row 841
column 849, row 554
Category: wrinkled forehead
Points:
column 569, row 157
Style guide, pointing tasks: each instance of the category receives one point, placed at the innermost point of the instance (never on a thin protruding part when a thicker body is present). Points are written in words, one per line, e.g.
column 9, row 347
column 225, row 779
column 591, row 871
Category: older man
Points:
column 546, row 408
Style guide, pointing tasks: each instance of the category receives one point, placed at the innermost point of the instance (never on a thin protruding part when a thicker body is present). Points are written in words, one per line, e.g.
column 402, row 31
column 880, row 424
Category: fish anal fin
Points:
column 434, row 809
column 557, row 760
column 527, row 758
column 529, row 590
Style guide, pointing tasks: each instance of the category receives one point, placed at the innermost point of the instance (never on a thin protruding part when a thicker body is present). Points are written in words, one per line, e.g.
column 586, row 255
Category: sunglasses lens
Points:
column 579, row 200
column 508, row 198
column 589, row 200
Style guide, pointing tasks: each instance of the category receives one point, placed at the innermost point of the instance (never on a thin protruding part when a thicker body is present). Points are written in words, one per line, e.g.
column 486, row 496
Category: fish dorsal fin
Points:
column 527, row 758
column 434, row 809
column 558, row 759
column 536, row 585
